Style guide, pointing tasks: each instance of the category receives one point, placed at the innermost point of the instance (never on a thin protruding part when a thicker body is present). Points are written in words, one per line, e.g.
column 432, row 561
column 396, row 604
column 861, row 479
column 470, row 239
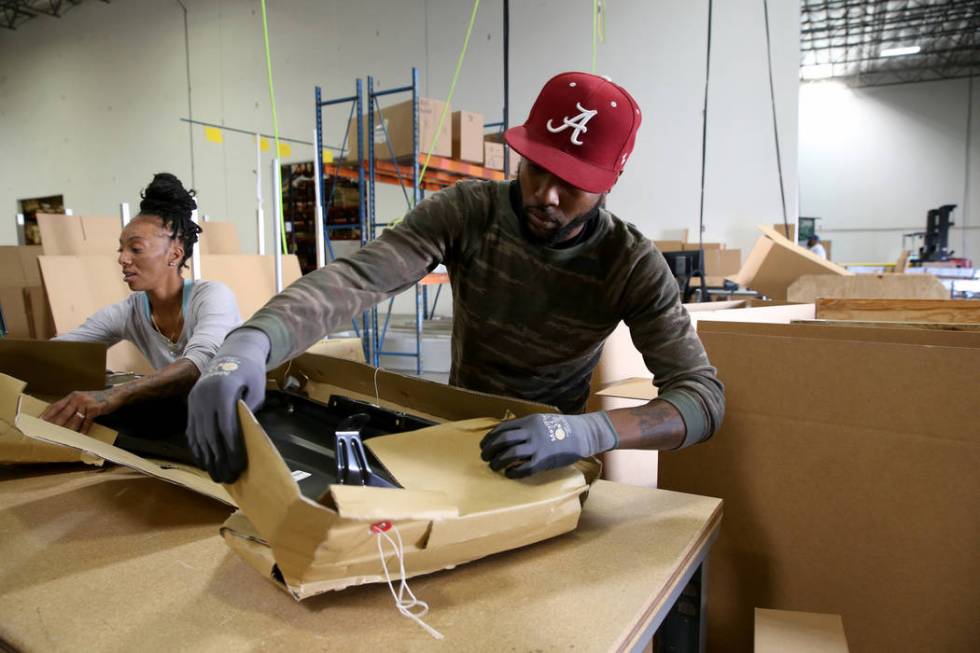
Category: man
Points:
column 814, row 245
column 541, row 274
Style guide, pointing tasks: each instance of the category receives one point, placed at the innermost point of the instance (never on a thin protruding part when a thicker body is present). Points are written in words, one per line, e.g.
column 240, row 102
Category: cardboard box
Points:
column 669, row 245
column 847, row 463
column 68, row 235
column 493, row 155
column 453, row 508
column 783, row 631
column 39, row 310
column 775, row 263
column 20, row 281
column 399, row 123
column 468, row 136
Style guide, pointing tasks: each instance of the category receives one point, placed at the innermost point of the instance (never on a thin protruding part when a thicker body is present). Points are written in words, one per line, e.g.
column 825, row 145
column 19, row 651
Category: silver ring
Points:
column 79, row 414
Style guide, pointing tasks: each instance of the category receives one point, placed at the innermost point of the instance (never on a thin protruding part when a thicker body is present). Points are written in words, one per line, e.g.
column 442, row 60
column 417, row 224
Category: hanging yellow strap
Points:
column 452, row 90
column 598, row 28
column 280, row 219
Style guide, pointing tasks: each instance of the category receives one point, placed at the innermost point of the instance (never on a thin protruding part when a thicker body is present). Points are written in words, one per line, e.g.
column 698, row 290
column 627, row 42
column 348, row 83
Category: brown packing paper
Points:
column 453, row 510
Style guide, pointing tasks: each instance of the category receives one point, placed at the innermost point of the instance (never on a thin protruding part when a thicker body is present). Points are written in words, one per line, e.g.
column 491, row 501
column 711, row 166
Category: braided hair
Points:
column 167, row 198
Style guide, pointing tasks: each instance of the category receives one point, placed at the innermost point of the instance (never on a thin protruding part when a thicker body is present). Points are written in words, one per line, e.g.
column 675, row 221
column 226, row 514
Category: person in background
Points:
column 541, row 274
column 177, row 324
column 813, row 244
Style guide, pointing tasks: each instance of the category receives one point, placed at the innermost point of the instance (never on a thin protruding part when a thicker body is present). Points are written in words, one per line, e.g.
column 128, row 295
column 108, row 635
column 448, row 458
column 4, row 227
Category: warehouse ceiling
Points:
column 879, row 42
column 14, row 13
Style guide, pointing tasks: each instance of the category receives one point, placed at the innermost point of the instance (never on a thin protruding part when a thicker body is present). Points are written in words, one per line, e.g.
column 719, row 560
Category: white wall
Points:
column 89, row 103
column 874, row 160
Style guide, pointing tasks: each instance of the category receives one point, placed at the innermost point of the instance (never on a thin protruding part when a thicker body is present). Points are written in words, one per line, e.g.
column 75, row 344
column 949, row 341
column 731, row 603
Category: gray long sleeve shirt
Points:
column 529, row 321
column 210, row 312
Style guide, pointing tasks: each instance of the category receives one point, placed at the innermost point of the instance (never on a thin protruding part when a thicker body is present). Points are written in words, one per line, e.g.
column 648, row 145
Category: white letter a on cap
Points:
column 578, row 123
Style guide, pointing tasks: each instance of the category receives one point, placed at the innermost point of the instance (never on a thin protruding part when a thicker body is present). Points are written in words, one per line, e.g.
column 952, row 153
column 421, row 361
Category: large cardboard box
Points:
column 468, row 136
column 452, row 508
column 398, row 122
column 775, row 263
column 848, row 470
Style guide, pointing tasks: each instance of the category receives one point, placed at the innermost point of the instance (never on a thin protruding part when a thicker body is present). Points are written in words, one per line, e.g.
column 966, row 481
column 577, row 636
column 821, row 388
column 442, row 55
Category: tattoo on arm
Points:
column 175, row 379
column 655, row 425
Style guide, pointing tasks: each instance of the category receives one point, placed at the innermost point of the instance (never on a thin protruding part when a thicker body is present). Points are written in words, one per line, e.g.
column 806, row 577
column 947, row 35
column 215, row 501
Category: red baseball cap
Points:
column 581, row 129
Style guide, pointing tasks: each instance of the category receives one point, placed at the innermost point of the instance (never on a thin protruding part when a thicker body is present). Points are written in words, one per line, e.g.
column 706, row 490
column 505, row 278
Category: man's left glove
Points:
column 532, row 444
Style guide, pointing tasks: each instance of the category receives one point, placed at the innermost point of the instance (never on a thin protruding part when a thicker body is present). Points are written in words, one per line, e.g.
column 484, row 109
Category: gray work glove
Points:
column 532, row 444
column 237, row 371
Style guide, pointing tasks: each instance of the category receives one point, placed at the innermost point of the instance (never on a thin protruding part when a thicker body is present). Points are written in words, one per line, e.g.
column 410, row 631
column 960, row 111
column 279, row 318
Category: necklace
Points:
column 172, row 339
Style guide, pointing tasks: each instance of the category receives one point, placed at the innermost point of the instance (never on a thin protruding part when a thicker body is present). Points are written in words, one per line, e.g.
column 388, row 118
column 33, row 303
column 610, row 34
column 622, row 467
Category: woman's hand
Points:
column 78, row 410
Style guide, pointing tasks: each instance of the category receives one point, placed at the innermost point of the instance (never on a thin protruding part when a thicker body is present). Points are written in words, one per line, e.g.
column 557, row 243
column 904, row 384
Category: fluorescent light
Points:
column 898, row 52
column 817, row 71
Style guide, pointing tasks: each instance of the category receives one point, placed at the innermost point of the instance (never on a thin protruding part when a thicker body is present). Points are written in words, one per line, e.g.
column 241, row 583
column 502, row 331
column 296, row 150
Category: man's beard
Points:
column 562, row 234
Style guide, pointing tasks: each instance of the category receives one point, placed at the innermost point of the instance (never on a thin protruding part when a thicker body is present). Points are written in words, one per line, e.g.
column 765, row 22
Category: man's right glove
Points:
column 237, row 371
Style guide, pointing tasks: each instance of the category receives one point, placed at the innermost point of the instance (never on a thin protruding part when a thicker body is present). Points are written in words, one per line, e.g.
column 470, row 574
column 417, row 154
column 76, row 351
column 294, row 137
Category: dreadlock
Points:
column 167, row 198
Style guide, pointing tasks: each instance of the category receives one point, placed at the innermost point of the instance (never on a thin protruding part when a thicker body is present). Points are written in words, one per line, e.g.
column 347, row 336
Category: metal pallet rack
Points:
column 370, row 170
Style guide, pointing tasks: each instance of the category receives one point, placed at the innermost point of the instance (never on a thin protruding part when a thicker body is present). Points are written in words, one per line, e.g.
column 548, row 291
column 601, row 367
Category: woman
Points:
column 177, row 324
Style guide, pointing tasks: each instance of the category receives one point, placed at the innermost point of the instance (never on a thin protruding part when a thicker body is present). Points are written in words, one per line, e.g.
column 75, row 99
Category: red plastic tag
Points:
column 381, row 527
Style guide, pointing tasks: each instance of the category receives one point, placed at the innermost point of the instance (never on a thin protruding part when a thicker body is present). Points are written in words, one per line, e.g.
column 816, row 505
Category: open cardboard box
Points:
column 775, row 262
column 453, row 508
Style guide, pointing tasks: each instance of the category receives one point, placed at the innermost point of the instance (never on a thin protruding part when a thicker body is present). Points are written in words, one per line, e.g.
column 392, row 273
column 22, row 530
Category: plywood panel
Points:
column 948, row 311
column 810, row 287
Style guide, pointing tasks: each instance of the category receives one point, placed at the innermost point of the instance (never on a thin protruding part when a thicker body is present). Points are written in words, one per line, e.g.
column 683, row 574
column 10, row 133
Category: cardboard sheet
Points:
column 72, row 235
column 18, row 265
column 16, row 447
column 848, row 470
column 809, row 288
column 54, row 368
column 251, row 277
column 99, row 443
column 784, row 631
column 219, row 238
column 775, row 263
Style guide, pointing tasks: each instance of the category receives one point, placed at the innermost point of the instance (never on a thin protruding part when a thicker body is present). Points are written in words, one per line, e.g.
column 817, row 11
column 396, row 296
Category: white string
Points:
column 377, row 395
column 411, row 607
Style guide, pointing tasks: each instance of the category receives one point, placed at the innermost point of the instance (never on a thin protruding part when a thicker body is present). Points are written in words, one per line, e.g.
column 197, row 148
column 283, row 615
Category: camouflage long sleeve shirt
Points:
column 529, row 321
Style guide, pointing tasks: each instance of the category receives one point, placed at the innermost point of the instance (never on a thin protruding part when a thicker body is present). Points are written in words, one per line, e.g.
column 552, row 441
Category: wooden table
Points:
column 115, row 561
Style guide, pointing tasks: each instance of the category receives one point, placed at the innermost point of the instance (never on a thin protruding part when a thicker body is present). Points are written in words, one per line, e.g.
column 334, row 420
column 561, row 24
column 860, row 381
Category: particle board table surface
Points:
column 114, row 561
